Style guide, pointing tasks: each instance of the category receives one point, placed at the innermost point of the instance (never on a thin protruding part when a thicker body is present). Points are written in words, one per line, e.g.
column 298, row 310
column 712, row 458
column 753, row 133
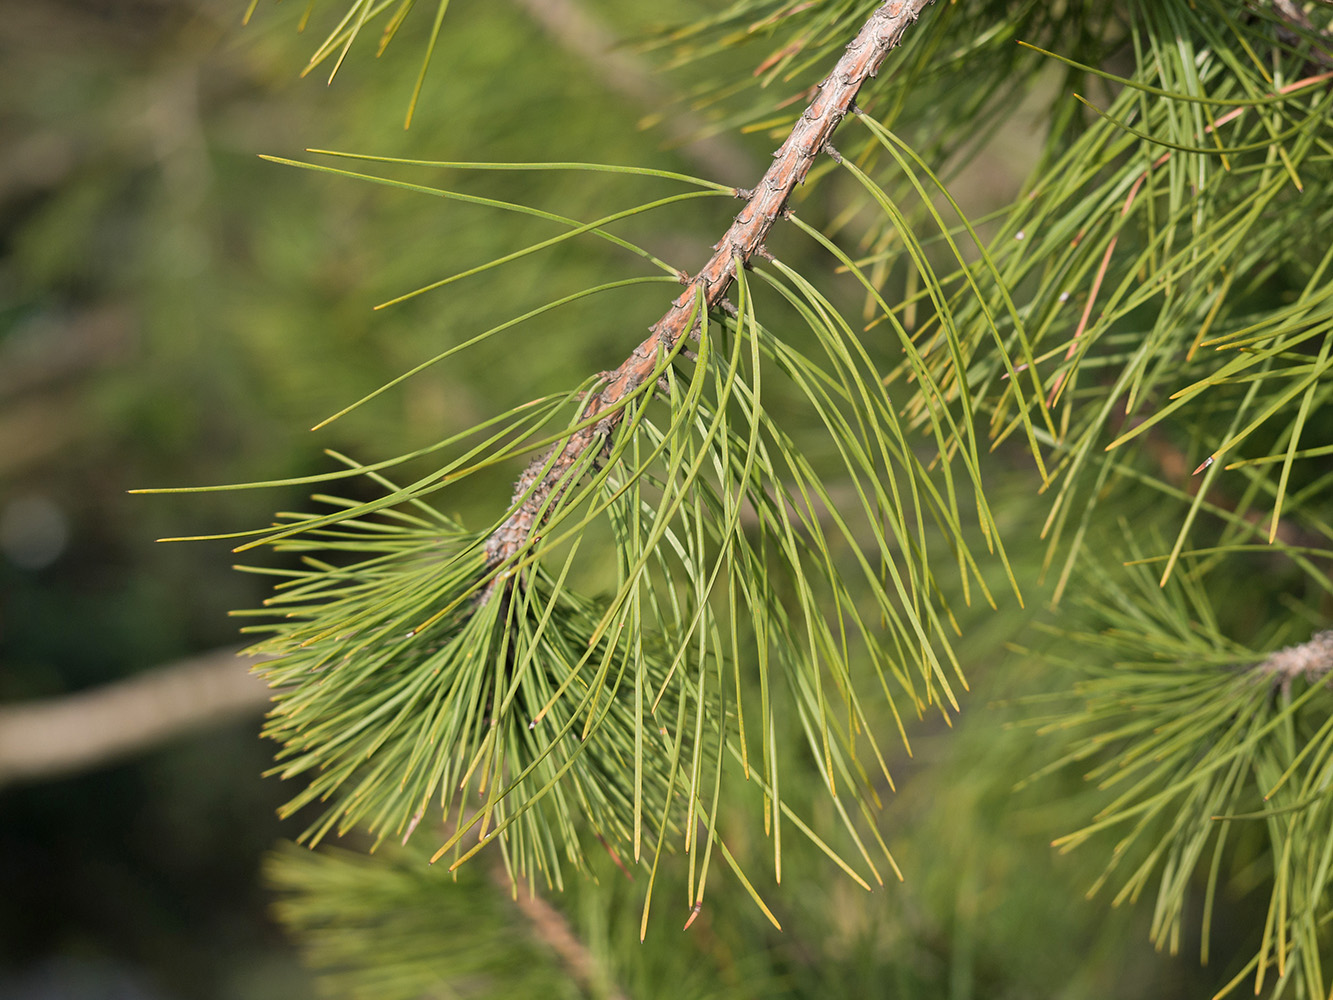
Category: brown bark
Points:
column 77, row 732
column 791, row 163
column 1312, row 660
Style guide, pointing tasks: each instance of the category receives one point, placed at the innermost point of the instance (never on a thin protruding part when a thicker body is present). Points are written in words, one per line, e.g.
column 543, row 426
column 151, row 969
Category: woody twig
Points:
column 539, row 483
column 1312, row 660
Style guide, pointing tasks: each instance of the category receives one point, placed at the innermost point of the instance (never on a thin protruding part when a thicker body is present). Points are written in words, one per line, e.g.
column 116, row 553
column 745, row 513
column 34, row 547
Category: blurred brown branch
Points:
column 572, row 27
column 1290, row 12
column 551, row 928
column 77, row 732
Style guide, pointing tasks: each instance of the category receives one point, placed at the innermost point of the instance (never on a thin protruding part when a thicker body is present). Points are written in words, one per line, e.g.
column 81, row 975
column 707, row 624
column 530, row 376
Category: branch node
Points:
column 1312, row 660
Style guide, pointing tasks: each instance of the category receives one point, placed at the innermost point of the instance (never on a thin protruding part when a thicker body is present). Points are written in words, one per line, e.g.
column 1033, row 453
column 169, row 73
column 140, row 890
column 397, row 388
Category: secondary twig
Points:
column 76, row 732
column 1312, row 660
column 551, row 928
column 1290, row 12
column 791, row 163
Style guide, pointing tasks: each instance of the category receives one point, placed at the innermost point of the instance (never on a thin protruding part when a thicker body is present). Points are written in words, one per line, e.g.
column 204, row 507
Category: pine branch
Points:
column 706, row 290
column 1290, row 12
column 551, row 927
column 78, row 732
column 1311, row 660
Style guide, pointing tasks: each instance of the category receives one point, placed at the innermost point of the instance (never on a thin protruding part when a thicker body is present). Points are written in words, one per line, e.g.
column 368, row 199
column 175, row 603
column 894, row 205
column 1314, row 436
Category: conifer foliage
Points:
column 746, row 564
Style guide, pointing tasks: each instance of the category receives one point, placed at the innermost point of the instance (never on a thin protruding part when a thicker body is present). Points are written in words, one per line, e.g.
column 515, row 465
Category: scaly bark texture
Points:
column 809, row 137
column 1313, row 660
